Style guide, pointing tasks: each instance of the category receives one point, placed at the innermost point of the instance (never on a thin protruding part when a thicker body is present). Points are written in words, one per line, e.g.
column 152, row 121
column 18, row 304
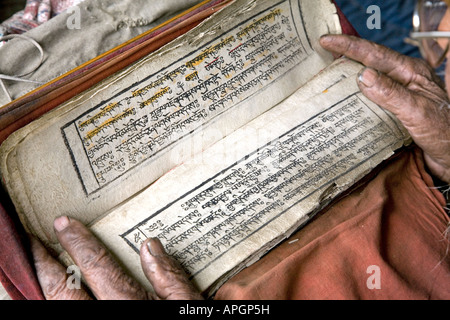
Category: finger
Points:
column 52, row 276
column 167, row 277
column 106, row 279
column 44, row 10
column 420, row 115
column 410, row 108
column 388, row 94
column 395, row 65
column 426, row 117
column 31, row 9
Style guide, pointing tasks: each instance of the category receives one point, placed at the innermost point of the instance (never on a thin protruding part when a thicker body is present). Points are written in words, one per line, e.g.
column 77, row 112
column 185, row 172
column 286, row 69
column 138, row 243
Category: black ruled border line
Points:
column 170, row 145
column 303, row 24
column 194, row 190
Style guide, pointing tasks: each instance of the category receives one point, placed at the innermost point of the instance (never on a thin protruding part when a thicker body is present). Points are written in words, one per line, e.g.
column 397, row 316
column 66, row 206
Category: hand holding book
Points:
column 104, row 276
column 407, row 87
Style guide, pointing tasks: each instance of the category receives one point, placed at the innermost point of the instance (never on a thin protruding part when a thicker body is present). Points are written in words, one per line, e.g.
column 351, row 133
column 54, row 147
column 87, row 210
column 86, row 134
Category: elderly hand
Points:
column 105, row 278
column 409, row 89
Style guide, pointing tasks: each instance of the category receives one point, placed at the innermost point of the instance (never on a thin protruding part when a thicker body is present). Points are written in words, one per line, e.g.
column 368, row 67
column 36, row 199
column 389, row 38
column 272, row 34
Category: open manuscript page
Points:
column 225, row 207
column 104, row 146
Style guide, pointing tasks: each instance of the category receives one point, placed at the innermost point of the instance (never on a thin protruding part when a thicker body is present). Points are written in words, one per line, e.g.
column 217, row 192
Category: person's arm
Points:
column 409, row 89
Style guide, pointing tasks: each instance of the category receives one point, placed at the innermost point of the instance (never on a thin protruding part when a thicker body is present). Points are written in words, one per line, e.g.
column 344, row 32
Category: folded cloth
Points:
column 17, row 274
column 388, row 239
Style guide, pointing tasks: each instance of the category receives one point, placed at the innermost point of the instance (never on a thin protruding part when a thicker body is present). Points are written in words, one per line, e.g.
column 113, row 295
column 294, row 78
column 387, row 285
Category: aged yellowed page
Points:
column 222, row 209
column 109, row 143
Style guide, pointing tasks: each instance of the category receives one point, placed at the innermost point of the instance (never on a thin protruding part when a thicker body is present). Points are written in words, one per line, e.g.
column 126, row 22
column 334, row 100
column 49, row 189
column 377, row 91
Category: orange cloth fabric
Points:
column 395, row 222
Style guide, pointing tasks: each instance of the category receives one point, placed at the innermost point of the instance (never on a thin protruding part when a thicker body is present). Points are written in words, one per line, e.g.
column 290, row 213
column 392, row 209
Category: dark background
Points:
column 9, row 7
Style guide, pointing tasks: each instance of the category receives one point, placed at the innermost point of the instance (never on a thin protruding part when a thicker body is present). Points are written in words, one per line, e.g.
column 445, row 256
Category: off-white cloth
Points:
column 103, row 25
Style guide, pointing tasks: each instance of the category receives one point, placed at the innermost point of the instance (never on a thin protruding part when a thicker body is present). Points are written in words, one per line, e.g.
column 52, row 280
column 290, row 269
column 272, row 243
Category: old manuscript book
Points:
column 221, row 143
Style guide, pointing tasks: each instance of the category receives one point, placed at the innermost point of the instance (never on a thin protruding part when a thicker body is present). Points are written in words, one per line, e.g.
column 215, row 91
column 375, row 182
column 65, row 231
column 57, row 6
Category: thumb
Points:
column 168, row 279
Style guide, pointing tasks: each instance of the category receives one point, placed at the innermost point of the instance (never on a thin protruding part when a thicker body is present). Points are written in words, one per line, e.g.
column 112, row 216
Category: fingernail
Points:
column 326, row 38
column 154, row 247
column 368, row 76
column 61, row 223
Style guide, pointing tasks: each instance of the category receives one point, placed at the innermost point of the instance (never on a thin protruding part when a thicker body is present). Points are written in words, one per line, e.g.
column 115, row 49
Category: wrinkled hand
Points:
column 407, row 87
column 105, row 278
